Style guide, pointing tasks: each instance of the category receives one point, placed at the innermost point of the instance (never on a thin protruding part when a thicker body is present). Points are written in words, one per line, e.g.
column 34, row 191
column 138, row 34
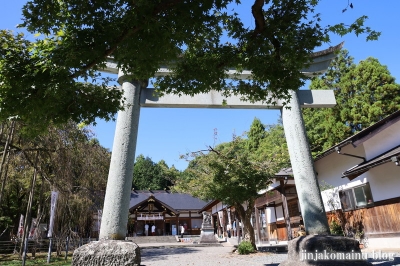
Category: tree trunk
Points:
column 40, row 208
column 28, row 213
column 6, row 153
column 245, row 217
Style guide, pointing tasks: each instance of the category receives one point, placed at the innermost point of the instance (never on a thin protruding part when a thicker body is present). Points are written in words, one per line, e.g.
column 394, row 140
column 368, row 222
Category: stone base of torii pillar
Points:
column 318, row 250
column 107, row 252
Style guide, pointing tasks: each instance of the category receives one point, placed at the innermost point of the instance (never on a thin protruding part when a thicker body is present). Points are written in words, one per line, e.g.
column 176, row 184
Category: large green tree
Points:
column 365, row 93
column 149, row 175
column 235, row 172
column 61, row 160
column 55, row 77
column 255, row 135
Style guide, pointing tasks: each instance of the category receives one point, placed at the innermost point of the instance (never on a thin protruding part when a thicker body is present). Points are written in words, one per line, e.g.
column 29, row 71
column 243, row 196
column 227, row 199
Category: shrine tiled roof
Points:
column 178, row 201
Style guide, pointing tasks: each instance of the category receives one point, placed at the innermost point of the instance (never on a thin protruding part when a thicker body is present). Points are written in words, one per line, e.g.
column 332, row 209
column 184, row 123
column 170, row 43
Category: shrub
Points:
column 335, row 228
column 245, row 247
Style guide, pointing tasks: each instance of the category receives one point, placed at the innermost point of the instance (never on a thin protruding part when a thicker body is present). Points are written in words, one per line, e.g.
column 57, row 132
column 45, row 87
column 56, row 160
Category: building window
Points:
column 356, row 198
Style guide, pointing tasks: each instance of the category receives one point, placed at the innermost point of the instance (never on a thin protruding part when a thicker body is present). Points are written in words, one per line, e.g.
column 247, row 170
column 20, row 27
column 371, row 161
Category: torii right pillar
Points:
column 308, row 192
column 318, row 247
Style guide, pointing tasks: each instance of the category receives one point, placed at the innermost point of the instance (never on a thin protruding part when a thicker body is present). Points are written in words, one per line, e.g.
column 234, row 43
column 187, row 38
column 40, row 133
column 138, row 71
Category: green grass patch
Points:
column 40, row 259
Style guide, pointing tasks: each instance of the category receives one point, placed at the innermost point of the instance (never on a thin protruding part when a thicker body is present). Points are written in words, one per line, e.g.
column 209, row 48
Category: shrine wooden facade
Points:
column 166, row 210
column 278, row 211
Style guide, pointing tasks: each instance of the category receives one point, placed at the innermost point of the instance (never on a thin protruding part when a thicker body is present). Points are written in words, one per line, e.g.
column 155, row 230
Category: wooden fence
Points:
column 381, row 220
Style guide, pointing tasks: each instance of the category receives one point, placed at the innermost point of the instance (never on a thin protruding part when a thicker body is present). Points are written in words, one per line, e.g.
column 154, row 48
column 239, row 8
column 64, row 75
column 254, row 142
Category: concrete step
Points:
column 153, row 239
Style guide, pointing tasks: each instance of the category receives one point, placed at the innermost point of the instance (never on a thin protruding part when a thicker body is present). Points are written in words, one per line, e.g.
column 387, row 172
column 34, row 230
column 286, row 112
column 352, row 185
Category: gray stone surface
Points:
column 117, row 198
column 207, row 236
column 207, row 230
column 152, row 239
column 107, row 252
column 206, row 219
column 214, row 99
column 324, row 250
column 311, row 204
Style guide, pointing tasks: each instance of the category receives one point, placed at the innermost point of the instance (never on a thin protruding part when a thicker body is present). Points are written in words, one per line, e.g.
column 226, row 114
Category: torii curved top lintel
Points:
column 320, row 64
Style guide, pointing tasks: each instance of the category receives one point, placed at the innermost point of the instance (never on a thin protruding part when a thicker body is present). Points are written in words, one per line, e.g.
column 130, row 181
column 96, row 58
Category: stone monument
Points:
column 207, row 230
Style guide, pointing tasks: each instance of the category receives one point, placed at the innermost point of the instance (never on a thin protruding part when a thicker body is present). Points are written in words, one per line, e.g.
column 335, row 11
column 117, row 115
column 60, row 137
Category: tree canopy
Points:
column 235, row 172
column 255, row 135
column 60, row 158
column 365, row 93
column 149, row 175
column 55, row 77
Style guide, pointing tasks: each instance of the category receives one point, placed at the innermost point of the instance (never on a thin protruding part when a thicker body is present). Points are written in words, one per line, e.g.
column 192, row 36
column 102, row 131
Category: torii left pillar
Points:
column 111, row 249
column 119, row 184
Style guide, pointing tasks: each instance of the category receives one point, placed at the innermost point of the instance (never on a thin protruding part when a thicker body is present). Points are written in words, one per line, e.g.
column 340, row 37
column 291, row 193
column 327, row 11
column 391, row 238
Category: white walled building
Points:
column 364, row 172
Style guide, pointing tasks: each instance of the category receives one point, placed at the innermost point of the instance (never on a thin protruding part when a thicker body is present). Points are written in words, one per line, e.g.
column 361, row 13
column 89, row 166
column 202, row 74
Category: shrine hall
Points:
column 165, row 210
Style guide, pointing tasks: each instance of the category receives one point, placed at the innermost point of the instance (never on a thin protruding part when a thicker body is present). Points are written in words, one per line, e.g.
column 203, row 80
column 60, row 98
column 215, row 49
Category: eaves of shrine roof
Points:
column 209, row 205
column 158, row 203
column 363, row 167
column 284, row 173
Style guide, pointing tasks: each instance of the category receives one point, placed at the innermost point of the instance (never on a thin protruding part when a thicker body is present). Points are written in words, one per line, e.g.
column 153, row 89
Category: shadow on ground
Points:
column 162, row 253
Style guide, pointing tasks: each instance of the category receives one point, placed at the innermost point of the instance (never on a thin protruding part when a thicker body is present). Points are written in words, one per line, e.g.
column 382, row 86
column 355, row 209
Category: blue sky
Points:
column 167, row 133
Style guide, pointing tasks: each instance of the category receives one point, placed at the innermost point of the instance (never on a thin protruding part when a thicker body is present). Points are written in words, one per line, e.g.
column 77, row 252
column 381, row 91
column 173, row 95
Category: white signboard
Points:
column 150, row 217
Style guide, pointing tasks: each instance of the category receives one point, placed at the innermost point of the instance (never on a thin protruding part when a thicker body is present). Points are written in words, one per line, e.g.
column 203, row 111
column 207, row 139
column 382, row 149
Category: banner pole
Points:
column 49, row 254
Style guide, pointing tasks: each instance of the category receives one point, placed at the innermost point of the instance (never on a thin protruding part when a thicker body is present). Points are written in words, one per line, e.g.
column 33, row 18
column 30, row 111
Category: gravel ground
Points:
column 210, row 256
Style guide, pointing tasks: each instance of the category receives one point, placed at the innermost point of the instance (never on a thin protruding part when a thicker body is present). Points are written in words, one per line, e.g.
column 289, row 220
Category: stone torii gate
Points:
column 115, row 213
column 117, row 197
